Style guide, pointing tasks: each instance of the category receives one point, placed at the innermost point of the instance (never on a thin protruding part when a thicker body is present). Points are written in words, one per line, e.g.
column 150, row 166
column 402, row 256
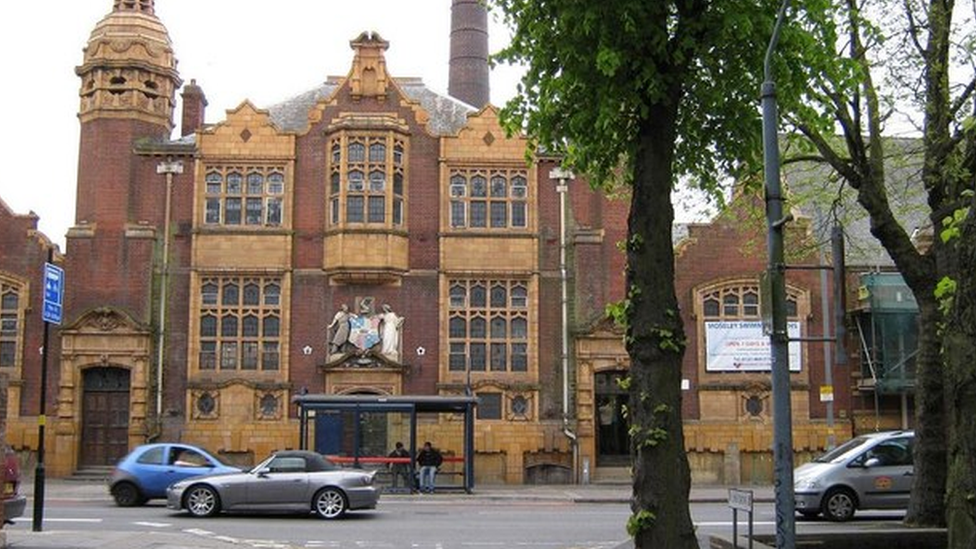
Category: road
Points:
column 428, row 522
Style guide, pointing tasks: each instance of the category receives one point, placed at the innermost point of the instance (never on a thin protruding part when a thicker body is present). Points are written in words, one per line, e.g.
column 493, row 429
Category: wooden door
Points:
column 105, row 416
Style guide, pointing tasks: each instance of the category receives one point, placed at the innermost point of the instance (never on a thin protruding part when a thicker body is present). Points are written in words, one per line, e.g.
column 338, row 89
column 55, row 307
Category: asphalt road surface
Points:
column 435, row 522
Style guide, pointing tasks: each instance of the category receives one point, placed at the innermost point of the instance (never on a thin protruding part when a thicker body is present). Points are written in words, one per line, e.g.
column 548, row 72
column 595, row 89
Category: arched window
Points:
column 731, row 325
column 11, row 323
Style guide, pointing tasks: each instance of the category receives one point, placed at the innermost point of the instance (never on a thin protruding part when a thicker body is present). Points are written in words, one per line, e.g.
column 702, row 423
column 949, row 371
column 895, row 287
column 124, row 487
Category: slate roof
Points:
column 812, row 191
column 447, row 115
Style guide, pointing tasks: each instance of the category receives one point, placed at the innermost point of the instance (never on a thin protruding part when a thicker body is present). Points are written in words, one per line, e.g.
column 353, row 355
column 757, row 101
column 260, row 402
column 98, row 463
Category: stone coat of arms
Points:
column 364, row 331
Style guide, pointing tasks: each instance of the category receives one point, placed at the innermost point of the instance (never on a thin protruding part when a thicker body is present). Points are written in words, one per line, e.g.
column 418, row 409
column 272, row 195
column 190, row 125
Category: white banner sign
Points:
column 740, row 346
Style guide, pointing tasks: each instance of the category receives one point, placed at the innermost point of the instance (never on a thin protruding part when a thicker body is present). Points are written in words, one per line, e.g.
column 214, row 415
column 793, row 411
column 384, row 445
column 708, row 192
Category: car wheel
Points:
column 839, row 504
column 127, row 494
column 202, row 501
column 330, row 503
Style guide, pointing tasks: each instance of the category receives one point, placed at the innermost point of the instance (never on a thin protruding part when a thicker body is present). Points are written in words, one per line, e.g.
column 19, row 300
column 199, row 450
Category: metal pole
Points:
column 827, row 354
column 735, row 528
column 563, row 176
column 779, row 337
column 39, row 474
column 168, row 168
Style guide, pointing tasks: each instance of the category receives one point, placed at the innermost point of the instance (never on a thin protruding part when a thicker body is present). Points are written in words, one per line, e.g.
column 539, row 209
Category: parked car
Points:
column 288, row 481
column 872, row 471
column 145, row 473
column 14, row 502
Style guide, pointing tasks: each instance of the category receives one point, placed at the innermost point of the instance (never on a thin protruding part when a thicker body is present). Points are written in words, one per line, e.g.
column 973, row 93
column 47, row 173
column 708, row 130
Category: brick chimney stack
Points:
column 468, row 78
column 194, row 108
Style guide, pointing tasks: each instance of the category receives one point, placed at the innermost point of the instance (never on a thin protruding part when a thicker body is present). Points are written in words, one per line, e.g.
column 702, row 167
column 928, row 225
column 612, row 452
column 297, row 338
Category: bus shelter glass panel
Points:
column 364, row 435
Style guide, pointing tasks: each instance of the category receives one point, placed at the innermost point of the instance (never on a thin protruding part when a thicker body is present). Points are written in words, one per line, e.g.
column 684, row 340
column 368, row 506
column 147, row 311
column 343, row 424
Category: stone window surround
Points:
column 275, row 185
column 795, row 294
column 376, row 196
column 517, row 308
column 460, row 200
column 263, row 310
column 15, row 316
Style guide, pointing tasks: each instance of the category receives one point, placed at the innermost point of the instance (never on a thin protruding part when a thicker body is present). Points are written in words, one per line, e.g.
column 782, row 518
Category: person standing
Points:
column 429, row 459
column 400, row 469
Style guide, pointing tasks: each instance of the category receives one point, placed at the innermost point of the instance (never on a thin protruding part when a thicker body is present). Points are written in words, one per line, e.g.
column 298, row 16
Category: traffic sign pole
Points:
column 52, row 311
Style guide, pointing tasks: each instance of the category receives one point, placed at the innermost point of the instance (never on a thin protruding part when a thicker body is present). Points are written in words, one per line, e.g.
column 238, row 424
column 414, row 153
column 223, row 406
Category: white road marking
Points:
column 741, row 523
column 23, row 519
column 153, row 524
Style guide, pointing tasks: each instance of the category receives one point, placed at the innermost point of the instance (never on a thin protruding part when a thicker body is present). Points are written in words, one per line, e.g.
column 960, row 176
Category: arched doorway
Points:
column 612, row 443
column 105, row 416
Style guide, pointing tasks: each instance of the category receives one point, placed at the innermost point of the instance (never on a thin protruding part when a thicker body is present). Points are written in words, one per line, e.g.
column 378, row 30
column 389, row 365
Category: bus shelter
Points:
column 361, row 429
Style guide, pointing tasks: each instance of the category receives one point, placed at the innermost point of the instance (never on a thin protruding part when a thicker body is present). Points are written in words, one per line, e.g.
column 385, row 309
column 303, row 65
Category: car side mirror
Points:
column 263, row 472
column 872, row 462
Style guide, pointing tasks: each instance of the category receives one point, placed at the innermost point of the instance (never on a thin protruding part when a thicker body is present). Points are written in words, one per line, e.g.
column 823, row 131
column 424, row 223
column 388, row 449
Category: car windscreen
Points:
column 838, row 453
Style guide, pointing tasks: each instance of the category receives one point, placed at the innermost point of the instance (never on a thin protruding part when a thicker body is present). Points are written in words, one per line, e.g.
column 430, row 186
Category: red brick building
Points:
column 367, row 236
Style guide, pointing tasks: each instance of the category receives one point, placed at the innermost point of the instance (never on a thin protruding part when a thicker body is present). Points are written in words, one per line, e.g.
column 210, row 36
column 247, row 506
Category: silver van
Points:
column 872, row 471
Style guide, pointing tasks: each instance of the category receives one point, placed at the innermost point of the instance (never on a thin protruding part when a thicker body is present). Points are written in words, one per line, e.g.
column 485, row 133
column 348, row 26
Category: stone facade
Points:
column 205, row 276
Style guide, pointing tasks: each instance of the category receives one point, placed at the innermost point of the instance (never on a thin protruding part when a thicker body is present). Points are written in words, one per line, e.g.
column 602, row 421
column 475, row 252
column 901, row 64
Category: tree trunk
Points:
column 655, row 341
column 926, row 507
column 960, row 364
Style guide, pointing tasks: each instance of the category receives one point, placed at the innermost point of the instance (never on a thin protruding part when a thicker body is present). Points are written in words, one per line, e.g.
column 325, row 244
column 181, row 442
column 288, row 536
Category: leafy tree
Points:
column 902, row 56
column 649, row 91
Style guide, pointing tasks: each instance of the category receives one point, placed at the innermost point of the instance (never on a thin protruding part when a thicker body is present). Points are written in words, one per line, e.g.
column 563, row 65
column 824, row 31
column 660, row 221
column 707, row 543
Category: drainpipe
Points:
column 169, row 168
column 563, row 177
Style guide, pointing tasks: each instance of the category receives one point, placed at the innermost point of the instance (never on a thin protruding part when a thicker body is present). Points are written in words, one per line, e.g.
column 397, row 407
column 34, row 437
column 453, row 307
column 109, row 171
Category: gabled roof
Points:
column 447, row 115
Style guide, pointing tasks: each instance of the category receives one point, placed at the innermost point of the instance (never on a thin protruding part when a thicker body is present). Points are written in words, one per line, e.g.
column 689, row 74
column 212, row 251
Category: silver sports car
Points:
column 288, row 481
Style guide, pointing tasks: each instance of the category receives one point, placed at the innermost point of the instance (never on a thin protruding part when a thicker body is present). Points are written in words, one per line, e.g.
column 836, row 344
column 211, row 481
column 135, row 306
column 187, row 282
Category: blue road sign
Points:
column 53, row 293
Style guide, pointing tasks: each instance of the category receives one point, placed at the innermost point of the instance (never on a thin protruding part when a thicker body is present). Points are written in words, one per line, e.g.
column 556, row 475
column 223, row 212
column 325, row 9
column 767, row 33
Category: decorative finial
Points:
column 141, row 6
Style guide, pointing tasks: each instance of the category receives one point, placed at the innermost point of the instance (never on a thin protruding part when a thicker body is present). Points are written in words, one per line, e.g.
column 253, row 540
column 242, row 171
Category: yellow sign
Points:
column 826, row 393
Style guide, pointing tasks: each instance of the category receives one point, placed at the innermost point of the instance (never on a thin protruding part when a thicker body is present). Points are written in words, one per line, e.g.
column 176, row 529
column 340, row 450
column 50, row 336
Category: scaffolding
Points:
column 887, row 328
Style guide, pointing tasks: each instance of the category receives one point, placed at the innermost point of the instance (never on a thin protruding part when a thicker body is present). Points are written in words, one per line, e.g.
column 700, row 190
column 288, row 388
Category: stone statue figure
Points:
column 340, row 323
column 390, row 330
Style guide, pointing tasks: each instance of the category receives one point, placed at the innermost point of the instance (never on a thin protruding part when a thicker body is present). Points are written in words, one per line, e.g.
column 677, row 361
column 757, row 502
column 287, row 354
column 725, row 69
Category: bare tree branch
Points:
column 913, row 30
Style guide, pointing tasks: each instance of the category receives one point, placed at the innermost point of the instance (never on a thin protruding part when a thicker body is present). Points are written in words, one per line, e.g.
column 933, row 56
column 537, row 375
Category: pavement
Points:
column 21, row 536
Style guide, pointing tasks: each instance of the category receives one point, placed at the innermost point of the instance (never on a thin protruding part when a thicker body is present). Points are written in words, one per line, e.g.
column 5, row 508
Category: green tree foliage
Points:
column 646, row 92
column 906, row 65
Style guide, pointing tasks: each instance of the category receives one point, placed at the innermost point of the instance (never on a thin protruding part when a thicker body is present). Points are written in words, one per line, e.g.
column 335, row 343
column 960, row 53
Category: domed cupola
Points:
column 129, row 68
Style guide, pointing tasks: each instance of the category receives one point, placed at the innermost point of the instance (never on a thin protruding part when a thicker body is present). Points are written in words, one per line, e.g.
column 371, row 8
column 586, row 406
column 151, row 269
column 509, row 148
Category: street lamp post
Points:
column 776, row 222
column 563, row 177
column 168, row 168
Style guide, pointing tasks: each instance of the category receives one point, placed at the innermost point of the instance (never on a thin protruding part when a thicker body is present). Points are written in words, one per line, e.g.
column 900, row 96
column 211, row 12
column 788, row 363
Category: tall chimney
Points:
column 468, row 77
column 194, row 108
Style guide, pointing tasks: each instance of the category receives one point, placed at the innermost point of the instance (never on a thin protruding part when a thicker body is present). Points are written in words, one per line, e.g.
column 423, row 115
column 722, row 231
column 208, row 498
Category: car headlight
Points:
column 806, row 485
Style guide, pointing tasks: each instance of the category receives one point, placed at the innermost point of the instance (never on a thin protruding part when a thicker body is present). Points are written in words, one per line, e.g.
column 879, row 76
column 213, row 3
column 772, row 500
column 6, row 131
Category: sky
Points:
column 261, row 51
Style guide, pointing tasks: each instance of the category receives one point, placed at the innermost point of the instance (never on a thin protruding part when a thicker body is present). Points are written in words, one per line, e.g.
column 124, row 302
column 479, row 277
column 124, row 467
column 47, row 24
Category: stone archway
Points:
column 103, row 389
